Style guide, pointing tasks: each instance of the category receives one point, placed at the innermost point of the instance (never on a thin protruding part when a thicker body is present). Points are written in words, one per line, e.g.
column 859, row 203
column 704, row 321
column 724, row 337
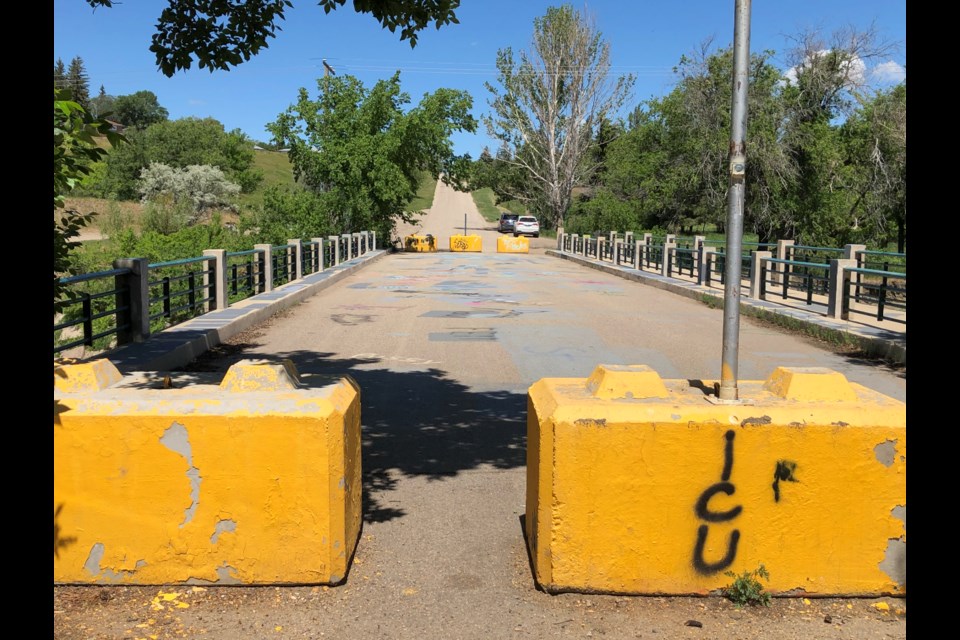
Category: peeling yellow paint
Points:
column 282, row 467
column 665, row 494
column 509, row 244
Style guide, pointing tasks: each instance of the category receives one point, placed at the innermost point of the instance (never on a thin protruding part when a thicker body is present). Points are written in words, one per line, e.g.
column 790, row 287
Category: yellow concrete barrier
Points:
column 648, row 486
column 422, row 244
column 163, row 479
column 509, row 244
column 465, row 243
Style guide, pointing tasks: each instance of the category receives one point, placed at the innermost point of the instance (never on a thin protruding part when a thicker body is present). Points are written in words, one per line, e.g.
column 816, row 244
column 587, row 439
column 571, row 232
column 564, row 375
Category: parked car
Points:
column 507, row 221
column 526, row 226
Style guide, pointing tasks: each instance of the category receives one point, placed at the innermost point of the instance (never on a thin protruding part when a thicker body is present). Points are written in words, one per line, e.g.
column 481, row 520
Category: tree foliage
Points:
column 78, row 82
column 200, row 186
column 549, row 103
column 826, row 160
column 139, row 110
column 102, row 105
column 220, row 34
column 179, row 143
column 364, row 153
column 74, row 149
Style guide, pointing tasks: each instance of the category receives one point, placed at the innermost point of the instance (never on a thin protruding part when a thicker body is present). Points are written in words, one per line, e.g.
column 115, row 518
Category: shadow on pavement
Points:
column 414, row 422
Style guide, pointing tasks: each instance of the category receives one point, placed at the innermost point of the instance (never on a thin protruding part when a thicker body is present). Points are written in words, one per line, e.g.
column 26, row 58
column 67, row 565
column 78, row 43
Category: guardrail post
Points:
column 220, row 298
column 637, row 253
column 267, row 274
column 783, row 247
column 349, row 248
column 297, row 257
column 850, row 251
column 335, row 240
column 839, row 287
column 756, row 272
column 573, row 242
column 628, row 237
column 359, row 252
column 601, row 248
column 560, row 238
column 318, row 247
column 617, row 244
column 668, row 246
column 703, row 264
column 136, row 298
column 373, row 240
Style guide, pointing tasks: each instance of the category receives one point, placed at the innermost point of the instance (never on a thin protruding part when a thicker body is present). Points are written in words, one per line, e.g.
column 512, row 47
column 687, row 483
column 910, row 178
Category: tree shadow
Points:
column 414, row 422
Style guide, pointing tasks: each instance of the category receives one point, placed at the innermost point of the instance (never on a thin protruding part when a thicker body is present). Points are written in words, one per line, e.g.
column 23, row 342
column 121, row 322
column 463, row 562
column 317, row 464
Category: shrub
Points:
column 746, row 587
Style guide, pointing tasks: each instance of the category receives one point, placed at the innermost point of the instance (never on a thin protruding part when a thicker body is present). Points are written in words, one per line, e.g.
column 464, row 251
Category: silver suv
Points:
column 507, row 222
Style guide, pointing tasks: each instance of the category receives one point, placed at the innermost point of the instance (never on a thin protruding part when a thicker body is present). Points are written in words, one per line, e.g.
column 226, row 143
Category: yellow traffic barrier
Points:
column 421, row 244
column 639, row 485
column 509, row 244
column 164, row 479
column 465, row 243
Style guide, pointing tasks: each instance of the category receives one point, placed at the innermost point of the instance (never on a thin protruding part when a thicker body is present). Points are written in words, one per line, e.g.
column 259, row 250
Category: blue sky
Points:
column 646, row 38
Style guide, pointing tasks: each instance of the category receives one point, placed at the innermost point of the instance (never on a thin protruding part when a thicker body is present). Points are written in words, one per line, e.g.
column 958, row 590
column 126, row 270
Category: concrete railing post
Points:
column 135, row 297
column 560, row 238
column 756, row 273
column 335, row 241
column 637, row 254
column 703, row 263
column 297, row 270
column 778, row 269
column 671, row 237
column 318, row 248
column 601, row 248
column 628, row 237
column 219, row 280
column 669, row 246
column 347, row 246
column 617, row 244
column 359, row 248
column 573, row 242
column 850, row 251
column 839, row 285
column 373, row 240
column 267, row 273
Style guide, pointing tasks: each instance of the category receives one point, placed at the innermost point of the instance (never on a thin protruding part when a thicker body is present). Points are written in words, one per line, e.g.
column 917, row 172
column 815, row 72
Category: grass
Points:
column 486, row 202
column 277, row 171
column 424, row 198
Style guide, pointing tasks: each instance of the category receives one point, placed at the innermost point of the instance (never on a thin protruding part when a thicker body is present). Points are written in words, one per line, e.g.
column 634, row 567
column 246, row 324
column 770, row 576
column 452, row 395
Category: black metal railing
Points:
column 312, row 257
column 180, row 290
column 283, row 259
column 879, row 290
column 96, row 313
column 716, row 267
column 245, row 274
column 808, row 278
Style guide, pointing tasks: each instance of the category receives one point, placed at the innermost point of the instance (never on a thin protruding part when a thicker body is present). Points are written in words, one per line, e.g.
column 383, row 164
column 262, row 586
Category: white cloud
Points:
column 889, row 71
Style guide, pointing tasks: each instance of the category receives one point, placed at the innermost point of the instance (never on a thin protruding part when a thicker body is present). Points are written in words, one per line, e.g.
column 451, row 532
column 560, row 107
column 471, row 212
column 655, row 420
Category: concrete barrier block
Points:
column 182, row 480
column 85, row 376
column 420, row 244
column 466, row 243
column 509, row 244
column 666, row 491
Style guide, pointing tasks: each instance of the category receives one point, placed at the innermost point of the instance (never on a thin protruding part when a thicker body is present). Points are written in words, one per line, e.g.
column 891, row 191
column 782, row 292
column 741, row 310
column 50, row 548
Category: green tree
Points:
column 59, row 75
column 549, row 103
column 364, row 152
column 78, row 82
column 139, row 110
column 220, row 34
column 75, row 148
column 102, row 104
column 180, row 143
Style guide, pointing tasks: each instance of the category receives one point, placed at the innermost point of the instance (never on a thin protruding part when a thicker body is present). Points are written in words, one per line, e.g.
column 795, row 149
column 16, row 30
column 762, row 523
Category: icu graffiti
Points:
column 707, row 515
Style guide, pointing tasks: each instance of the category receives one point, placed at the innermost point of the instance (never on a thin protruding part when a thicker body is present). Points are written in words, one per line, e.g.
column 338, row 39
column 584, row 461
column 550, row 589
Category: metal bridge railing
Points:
column 875, row 293
column 96, row 314
column 180, row 290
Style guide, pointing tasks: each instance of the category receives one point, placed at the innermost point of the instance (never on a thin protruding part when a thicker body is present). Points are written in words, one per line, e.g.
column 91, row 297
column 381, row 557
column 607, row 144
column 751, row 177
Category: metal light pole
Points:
column 735, row 198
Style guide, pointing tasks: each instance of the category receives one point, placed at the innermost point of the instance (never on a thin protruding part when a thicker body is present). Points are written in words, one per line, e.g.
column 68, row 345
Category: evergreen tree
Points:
column 102, row 104
column 79, row 83
column 59, row 75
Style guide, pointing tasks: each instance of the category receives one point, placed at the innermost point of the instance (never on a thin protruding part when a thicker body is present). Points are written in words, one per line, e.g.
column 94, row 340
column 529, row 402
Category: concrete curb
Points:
column 180, row 344
column 880, row 343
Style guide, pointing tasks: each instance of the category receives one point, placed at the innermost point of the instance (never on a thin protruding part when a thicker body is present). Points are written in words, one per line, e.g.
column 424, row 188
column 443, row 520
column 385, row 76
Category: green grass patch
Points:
column 486, row 202
column 424, row 198
column 277, row 171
